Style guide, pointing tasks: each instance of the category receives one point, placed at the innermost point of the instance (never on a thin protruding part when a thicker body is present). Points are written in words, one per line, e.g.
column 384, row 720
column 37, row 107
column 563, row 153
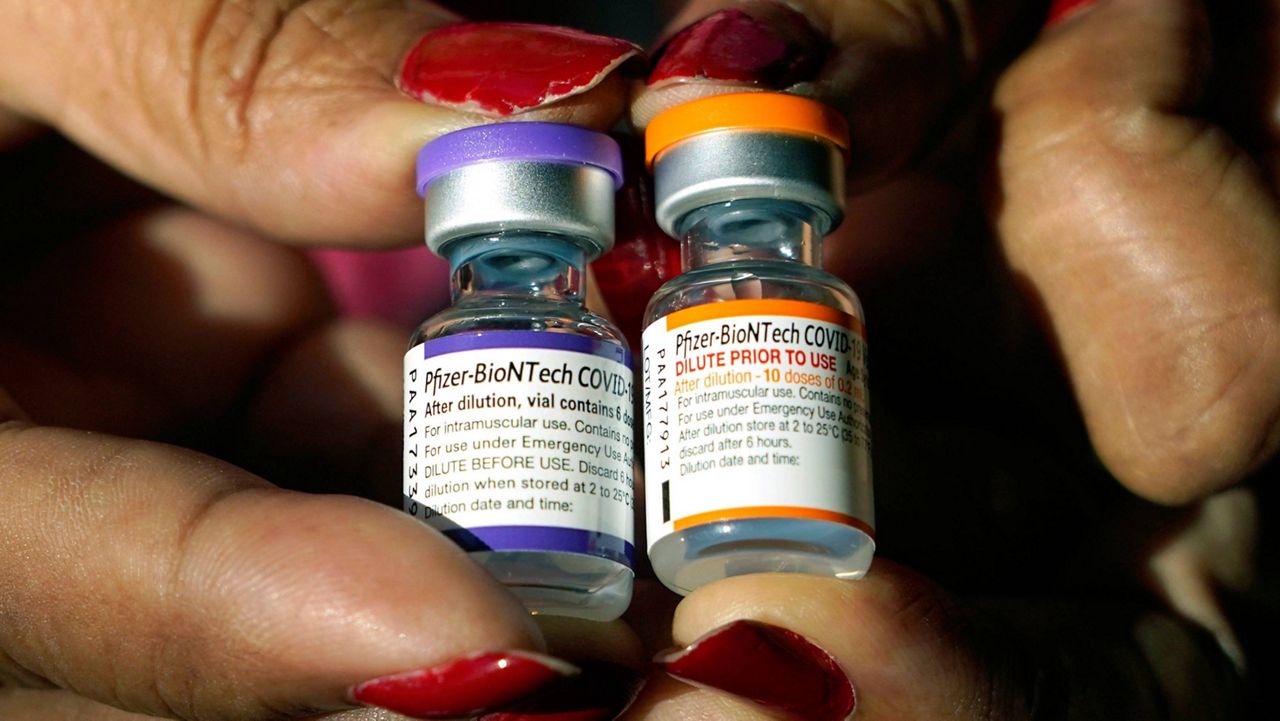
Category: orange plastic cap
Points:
column 744, row 111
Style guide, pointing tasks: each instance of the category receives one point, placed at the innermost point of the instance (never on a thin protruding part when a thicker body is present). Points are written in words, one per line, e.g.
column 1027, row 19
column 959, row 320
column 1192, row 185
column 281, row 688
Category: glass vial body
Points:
column 518, row 310
column 757, row 437
column 518, row 428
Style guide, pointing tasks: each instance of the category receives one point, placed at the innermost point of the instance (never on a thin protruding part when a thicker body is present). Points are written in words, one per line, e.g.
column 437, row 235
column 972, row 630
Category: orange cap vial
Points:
column 741, row 146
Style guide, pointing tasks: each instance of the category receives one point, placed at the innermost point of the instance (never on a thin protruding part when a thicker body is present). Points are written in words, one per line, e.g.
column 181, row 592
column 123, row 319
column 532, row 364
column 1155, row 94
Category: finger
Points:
column 895, row 69
column 1149, row 242
column 288, row 115
column 26, row 705
column 896, row 647
column 160, row 581
column 1218, row 549
column 186, row 330
column 165, row 319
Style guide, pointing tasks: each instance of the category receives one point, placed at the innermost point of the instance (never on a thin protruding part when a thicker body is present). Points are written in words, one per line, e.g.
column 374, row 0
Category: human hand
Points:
column 889, row 600
column 1135, row 235
column 143, row 578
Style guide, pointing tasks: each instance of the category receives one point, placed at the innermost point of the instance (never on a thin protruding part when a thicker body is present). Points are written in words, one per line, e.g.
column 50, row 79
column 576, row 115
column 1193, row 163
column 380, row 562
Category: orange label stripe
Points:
column 792, row 308
column 734, row 514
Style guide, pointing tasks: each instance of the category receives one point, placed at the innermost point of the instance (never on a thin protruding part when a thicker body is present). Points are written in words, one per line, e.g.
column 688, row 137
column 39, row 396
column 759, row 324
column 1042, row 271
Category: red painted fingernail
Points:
column 769, row 665
column 465, row 687
column 778, row 48
column 1062, row 10
column 500, row 69
column 602, row 692
column 643, row 257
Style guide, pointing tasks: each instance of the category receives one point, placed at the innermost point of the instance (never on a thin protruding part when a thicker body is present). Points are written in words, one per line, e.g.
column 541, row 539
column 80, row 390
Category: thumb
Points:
column 896, row 647
column 287, row 115
column 164, row 582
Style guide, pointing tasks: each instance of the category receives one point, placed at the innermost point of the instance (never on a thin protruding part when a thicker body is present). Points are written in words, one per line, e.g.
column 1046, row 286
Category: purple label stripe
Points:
column 543, row 538
column 521, row 339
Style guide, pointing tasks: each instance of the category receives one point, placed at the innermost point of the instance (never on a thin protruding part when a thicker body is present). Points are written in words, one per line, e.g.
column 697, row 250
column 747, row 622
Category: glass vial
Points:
column 518, row 411
column 757, row 443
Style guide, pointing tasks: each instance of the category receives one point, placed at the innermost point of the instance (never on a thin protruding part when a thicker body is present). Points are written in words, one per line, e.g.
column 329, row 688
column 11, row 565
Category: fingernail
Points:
column 465, row 687
column 643, row 257
column 602, row 692
column 499, row 69
column 1062, row 10
column 768, row 664
column 775, row 47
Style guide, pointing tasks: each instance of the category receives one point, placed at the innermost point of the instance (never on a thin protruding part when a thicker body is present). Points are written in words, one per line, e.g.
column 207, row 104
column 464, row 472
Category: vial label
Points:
column 753, row 409
column 521, row 441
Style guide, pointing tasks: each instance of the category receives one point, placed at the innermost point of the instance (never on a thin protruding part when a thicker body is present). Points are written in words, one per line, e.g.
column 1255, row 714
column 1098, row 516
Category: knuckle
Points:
column 188, row 635
column 248, row 58
column 1080, row 95
column 228, row 43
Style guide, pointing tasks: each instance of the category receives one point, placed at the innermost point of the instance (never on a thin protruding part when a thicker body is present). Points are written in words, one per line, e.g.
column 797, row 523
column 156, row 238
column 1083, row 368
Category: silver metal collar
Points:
column 737, row 165
column 575, row 201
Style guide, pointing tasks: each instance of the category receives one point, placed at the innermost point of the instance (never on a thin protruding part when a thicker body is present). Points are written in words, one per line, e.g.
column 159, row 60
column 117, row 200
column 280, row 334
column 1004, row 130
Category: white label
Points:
column 520, row 440
column 755, row 408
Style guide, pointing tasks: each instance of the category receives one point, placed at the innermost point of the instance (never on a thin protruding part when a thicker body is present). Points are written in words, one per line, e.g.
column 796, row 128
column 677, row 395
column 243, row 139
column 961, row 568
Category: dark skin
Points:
column 1076, row 368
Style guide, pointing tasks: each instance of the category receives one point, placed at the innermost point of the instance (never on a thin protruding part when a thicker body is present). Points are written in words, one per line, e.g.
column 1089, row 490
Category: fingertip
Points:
column 357, row 190
column 710, row 49
column 824, row 601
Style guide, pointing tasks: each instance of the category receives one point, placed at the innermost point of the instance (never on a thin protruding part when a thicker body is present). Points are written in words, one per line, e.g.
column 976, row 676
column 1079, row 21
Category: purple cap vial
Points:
column 544, row 177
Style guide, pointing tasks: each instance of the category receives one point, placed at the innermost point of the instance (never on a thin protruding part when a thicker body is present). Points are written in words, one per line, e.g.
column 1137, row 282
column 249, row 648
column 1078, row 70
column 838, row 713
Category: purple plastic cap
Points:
column 548, row 142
